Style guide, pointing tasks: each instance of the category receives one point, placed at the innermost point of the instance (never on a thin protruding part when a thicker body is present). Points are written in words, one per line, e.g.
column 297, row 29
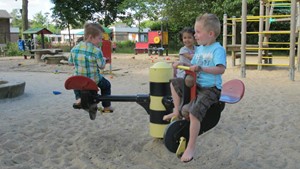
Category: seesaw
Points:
column 159, row 103
column 177, row 132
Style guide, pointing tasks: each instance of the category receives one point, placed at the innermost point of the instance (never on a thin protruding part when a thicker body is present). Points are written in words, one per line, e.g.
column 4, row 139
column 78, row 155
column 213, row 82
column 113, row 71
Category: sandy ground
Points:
column 40, row 130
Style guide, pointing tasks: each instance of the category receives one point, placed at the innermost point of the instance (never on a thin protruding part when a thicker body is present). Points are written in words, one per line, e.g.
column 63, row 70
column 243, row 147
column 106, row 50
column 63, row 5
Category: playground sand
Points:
column 42, row 130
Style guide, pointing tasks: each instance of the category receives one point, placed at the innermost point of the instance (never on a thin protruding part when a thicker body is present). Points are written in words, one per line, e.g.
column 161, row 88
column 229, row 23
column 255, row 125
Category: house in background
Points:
column 118, row 33
column 75, row 34
column 14, row 34
column 5, row 27
column 122, row 32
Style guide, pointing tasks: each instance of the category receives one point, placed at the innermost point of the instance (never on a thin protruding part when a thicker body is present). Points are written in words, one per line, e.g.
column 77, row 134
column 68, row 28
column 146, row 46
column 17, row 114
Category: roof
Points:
column 37, row 31
column 72, row 31
column 129, row 29
column 106, row 30
column 4, row 14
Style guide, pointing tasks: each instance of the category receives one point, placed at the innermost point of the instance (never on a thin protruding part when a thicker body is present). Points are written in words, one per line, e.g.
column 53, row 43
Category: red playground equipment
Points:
column 157, row 43
column 106, row 47
column 106, row 50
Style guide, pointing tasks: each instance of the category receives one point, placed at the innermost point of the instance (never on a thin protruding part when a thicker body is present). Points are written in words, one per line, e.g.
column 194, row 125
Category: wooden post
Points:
column 268, row 11
column 292, row 40
column 298, row 30
column 233, row 40
column 225, row 31
column 243, row 43
column 260, row 35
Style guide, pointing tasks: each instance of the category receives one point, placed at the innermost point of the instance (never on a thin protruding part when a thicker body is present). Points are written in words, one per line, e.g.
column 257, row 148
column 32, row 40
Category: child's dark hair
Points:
column 186, row 30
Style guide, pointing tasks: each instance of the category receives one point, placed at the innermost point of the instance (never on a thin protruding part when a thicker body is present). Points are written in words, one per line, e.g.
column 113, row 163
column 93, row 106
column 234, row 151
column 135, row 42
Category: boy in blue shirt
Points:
column 209, row 61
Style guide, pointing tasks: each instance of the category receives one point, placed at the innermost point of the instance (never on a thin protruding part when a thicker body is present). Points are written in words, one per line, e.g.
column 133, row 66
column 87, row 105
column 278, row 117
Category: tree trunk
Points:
column 69, row 36
column 24, row 17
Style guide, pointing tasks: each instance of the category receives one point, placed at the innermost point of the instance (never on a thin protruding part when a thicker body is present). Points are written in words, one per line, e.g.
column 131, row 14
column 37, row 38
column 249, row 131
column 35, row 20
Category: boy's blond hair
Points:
column 93, row 29
column 210, row 22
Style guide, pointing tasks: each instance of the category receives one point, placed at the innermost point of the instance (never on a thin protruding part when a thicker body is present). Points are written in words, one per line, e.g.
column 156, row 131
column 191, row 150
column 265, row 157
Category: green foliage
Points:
column 153, row 25
column 179, row 14
column 39, row 21
column 136, row 11
column 77, row 12
column 125, row 47
column 16, row 19
column 64, row 46
column 107, row 11
column 13, row 50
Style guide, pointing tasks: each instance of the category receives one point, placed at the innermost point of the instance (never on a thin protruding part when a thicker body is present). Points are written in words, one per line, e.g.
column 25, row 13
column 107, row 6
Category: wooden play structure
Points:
column 264, row 49
column 157, row 43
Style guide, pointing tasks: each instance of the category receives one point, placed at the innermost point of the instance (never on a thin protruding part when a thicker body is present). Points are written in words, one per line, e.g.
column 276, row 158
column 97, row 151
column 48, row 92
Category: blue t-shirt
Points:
column 209, row 56
column 21, row 44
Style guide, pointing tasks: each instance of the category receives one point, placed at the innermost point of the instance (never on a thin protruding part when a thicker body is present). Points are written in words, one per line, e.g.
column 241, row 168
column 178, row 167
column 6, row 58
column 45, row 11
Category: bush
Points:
column 64, row 46
column 125, row 47
column 13, row 50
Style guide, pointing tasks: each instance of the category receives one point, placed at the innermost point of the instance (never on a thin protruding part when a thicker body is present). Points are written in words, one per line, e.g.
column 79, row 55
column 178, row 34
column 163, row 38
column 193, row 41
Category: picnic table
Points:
column 39, row 52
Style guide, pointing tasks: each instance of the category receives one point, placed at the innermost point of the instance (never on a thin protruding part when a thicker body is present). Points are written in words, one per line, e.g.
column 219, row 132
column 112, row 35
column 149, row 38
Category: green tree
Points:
column 16, row 18
column 24, row 15
column 39, row 21
column 153, row 25
column 25, row 24
column 139, row 10
column 74, row 13
column 107, row 11
column 67, row 13
column 182, row 13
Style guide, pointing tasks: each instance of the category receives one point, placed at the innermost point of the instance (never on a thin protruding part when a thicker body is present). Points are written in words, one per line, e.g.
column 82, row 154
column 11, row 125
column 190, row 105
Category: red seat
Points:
column 80, row 83
column 232, row 91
